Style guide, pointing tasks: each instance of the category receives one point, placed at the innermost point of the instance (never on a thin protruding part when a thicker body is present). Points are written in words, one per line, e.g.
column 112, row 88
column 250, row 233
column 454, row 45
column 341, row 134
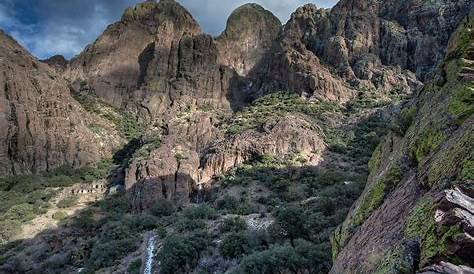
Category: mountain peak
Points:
column 250, row 17
column 158, row 12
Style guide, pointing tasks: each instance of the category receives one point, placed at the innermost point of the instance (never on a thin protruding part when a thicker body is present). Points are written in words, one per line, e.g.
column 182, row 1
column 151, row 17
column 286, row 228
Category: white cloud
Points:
column 66, row 27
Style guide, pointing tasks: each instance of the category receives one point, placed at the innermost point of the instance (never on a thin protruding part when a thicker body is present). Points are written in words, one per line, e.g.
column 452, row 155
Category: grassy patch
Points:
column 377, row 193
column 60, row 215
column 399, row 260
column 127, row 124
column 407, row 116
column 467, row 171
column 67, row 202
column 274, row 106
column 434, row 240
column 427, row 142
column 461, row 105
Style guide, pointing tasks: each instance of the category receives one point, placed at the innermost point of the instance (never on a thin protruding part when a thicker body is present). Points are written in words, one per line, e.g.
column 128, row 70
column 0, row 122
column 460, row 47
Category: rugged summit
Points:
column 249, row 34
column 251, row 152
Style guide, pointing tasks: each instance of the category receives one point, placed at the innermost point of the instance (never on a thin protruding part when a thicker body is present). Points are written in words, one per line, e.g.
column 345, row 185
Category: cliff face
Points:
column 269, row 120
column 249, row 34
column 416, row 210
column 156, row 63
column 43, row 127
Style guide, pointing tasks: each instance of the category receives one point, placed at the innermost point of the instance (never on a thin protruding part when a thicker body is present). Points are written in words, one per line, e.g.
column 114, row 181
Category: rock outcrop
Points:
column 416, row 210
column 249, row 35
column 43, row 127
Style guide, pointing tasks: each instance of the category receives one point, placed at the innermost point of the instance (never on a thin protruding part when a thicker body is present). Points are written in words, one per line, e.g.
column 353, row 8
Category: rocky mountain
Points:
column 43, row 127
column 251, row 152
column 423, row 177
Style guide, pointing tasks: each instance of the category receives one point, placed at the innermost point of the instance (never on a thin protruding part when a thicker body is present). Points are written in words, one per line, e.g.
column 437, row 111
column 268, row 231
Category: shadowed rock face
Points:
column 415, row 210
column 110, row 66
column 249, row 34
column 157, row 63
column 43, row 127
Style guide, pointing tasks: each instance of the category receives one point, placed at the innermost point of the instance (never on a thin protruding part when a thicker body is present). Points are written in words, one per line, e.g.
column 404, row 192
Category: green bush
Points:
column 304, row 257
column 135, row 266
column 116, row 204
column 227, row 203
column 233, row 225
column 161, row 208
column 109, row 253
column 407, row 116
column 234, row 245
column 291, row 220
column 21, row 213
column 8, row 230
column 180, row 254
column 67, row 202
column 202, row 211
column 59, row 215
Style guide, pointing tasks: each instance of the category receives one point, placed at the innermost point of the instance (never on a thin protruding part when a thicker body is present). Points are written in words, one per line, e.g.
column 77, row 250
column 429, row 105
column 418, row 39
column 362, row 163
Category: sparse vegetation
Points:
column 407, row 117
column 127, row 124
column 67, row 202
column 59, row 215
column 461, row 105
column 427, row 142
column 134, row 267
column 421, row 226
column 274, row 106
column 377, row 193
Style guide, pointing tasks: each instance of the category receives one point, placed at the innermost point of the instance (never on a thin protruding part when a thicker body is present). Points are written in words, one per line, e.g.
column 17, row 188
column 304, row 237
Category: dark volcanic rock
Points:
column 58, row 62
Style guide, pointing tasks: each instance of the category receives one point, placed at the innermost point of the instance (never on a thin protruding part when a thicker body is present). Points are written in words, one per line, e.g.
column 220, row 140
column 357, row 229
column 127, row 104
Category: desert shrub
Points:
column 85, row 221
column 116, row 204
column 233, row 225
column 187, row 224
column 406, row 118
column 105, row 254
column 234, row 245
column 202, row 211
column 8, row 230
column 162, row 207
column 135, row 266
column 67, row 202
column 180, row 254
column 11, row 198
column 228, row 203
column 21, row 212
column 304, row 257
column 145, row 222
column 291, row 220
column 59, row 215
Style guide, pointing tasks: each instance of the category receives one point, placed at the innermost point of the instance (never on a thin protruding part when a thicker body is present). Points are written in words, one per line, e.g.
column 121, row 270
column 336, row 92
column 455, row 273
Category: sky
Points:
column 50, row 27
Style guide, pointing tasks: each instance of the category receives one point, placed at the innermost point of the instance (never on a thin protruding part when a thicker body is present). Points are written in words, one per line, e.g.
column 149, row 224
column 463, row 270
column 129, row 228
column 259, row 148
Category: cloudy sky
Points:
column 49, row 27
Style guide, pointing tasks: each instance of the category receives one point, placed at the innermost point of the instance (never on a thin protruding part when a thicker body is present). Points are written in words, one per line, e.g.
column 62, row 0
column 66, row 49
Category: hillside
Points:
column 339, row 142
